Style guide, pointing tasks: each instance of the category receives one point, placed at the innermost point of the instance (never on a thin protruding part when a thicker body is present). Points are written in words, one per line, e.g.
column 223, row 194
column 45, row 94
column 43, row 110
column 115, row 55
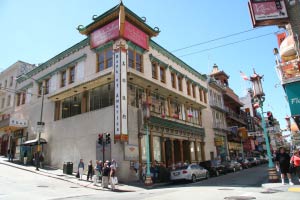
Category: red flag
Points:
column 280, row 38
column 244, row 76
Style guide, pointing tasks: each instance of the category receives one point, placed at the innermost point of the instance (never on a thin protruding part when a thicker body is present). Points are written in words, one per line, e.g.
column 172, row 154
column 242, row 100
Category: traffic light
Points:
column 100, row 138
column 107, row 138
column 270, row 118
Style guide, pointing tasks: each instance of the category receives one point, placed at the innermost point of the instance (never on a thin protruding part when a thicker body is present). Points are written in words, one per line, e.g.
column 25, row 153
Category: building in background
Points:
column 11, row 134
column 216, row 117
column 236, row 119
column 101, row 84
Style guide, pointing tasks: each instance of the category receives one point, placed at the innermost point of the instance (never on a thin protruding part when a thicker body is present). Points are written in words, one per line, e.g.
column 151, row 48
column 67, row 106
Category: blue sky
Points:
column 36, row 30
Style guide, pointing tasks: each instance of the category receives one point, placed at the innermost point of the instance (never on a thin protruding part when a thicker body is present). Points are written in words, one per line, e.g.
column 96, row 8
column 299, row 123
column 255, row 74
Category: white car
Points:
column 190, row 172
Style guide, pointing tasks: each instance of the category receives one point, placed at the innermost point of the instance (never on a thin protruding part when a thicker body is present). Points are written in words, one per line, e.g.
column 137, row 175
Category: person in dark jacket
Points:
column 105, row 175
column 283, row 162
column 90, row 170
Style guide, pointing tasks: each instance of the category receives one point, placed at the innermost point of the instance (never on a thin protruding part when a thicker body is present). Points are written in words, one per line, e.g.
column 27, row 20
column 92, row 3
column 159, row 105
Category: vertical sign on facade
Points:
column 117, row 61
column 123, row 67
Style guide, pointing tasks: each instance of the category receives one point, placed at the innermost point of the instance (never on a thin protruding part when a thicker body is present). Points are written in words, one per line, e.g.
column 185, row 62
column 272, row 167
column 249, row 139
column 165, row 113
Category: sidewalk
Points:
column 58, row 174
column 278, row 187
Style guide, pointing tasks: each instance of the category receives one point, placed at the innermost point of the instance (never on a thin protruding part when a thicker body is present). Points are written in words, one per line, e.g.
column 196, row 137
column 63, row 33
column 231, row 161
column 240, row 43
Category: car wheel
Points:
column 194, row 178
column 207, row 175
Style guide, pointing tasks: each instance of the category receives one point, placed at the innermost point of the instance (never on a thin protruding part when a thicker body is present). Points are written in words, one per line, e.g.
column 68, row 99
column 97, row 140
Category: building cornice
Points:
column 175, row 59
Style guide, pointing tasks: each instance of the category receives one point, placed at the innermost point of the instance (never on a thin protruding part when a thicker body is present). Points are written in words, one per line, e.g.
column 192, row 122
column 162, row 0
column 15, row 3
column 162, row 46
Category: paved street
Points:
column 16, row 184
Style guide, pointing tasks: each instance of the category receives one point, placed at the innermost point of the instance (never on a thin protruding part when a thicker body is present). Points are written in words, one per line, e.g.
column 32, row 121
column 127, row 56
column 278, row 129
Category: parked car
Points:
column 258, row 160
column 232, row 166
column 192, row 172
column 252, row 162
column 245, row 163
column 213, row 168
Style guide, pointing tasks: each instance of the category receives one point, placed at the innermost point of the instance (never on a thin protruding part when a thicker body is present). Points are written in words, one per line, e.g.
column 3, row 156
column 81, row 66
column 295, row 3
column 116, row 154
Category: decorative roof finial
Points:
column 121, row 2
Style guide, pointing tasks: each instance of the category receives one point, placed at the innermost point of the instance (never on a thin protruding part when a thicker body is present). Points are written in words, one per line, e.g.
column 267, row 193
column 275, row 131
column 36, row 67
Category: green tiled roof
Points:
column 174, row 125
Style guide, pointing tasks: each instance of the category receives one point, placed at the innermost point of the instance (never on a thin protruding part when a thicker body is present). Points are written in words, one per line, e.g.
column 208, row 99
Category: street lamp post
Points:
column 41, row 125
column 259, row 98
column 146, row 115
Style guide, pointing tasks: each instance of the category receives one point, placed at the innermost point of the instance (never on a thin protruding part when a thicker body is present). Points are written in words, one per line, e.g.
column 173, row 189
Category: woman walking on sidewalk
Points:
column 80, row 168
column 112, row 179
column 90, row 171
column 295, row 161
column 105, row 175
column 283, row 162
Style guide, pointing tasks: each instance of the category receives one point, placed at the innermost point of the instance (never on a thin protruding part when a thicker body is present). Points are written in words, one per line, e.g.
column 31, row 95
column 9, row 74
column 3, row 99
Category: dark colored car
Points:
column 245, row 163
column 232, row 166
column 213, row 168
column 252, row 162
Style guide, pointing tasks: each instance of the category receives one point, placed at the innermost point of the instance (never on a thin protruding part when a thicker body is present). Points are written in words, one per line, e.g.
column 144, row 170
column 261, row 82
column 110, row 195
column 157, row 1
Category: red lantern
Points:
column 163, row 115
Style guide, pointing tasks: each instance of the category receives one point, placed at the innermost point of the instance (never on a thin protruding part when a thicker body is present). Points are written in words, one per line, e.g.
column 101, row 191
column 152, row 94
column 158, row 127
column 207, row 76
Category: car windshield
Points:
column 250, row 159
column 182, row 167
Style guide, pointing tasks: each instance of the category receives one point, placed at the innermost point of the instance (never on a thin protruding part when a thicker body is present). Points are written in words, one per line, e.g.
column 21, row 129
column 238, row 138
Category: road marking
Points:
column 294, row 189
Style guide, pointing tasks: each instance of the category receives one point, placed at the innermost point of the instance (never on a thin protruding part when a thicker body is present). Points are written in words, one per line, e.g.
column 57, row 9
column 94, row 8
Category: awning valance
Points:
column 34, row 142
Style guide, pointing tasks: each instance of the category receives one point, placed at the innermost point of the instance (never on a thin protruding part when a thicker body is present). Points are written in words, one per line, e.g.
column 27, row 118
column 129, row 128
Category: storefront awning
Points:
column 34, row 142
column 13, row 124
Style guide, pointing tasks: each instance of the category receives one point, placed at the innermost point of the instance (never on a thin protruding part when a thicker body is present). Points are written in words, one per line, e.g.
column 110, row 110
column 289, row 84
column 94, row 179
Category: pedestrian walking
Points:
column 295, row 162
column 41, row 160
column 80, row 168
column 90, row 171
column 97, row 174
column 283, row 162
column 113, row 178
column 25, row 157
column 105, row 175
column 9, row 155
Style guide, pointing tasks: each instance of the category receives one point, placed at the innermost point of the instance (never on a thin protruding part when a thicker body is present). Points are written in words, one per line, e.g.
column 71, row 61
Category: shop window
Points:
column 63, row 79
column 101, row 97
column 157, row 148
column 173, row 80
column 104, row 59
column 179, row 80
column 47, row 86
column 57, row 110
column 136, row 96
column 71, row 106
column 154, row 70
column 162, row 74
column 188, row 88
column 18, row 99
column 72, row 75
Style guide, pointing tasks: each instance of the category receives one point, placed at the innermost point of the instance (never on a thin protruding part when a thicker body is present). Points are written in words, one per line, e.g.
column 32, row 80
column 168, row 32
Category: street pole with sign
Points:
column 259, row 98
column 146, row 115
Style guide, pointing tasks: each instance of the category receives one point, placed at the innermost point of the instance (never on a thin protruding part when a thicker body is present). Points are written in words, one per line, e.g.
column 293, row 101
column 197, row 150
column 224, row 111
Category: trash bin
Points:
column 65, row 168
column 69, row 168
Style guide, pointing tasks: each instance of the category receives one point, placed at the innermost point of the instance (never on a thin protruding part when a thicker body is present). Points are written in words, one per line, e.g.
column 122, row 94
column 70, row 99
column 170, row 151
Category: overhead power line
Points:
column 228, row 44
column 216, row 39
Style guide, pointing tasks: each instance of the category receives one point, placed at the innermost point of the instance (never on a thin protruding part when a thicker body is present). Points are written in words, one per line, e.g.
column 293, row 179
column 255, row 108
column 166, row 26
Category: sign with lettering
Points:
column 135, row 35
column 293, row 93
column 123, row 67
column 105, row 34
column 117, row 61
column 22, row 123
column 266, row 13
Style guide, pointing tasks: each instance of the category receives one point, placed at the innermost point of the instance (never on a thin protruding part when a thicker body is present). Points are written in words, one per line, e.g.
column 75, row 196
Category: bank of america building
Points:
column 101, row 84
